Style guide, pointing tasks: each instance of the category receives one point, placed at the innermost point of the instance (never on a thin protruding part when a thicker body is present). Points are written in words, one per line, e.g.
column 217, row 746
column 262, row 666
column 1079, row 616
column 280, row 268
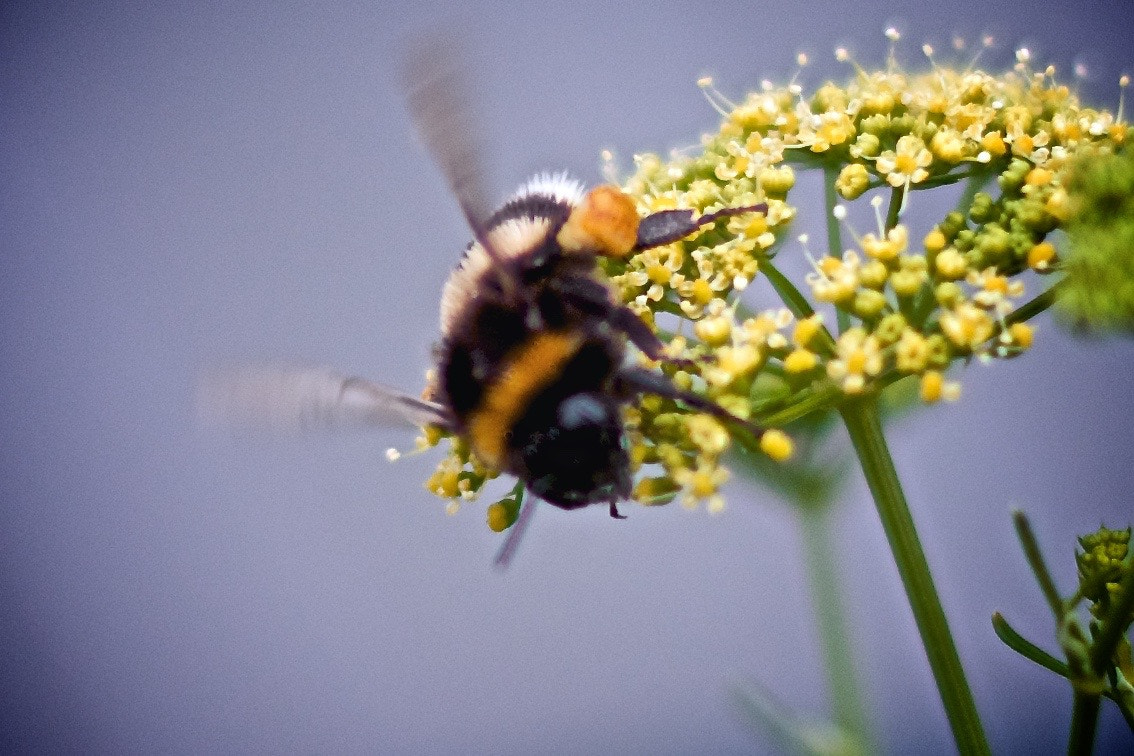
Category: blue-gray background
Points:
column 190, row 182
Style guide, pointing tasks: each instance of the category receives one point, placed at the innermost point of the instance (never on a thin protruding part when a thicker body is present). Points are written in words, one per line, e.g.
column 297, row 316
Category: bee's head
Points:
column 576, row 455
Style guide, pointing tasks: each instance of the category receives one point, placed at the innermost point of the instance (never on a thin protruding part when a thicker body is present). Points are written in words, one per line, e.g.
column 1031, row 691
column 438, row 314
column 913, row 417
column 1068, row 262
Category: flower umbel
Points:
column 899, row 301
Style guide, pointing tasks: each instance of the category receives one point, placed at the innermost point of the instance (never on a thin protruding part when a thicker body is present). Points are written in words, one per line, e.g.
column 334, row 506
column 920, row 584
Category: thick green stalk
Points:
column 847, row 706
column 865, row 428
column 1084, row 723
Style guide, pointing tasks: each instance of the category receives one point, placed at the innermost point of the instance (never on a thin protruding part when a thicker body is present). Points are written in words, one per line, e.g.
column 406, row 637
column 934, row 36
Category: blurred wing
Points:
column 283, row 399
column 440, row 102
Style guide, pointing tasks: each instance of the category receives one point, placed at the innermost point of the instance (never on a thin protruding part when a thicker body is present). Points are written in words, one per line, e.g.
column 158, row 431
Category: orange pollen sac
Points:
column 604, row 223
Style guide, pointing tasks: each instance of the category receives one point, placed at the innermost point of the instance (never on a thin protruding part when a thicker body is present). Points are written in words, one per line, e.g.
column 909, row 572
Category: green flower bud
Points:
column 866, row 145
column 984, row 208
column 992, row 244
column 952, row 225
column 939, row 352
column 869, row 303
column 875, row 125
column 890, row 328
column 852, row 181
column 1013, row 177
column 948, row 294
column 1102, row 563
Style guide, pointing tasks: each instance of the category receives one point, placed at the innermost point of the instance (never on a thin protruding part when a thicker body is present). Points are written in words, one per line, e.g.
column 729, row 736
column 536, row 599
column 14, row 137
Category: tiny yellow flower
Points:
column 738, row 361
column 912, row 354
column 889, row 248
column 800, row 360
column 1021, row 334
column 948, row 145
column 874, row 274
column 950, row 264
column 1041, row 255
column 967, row 326
column 714, row 331
column 934, row 241
column 707, row 434
column 806, row 329
column 835, row 280
column 777, row 445
column 906, row 163
column 858, row 357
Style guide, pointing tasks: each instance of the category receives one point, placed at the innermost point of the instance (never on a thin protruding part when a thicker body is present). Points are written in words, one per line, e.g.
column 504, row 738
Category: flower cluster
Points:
column 906, row 307
column 1103, row 561
column 892, row 304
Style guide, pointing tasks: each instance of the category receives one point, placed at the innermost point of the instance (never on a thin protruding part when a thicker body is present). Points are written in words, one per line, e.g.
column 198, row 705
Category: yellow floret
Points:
column 777, row 445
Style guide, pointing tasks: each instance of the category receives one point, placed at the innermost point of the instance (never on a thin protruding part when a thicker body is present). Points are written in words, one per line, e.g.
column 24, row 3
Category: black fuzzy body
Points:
column 565, row 440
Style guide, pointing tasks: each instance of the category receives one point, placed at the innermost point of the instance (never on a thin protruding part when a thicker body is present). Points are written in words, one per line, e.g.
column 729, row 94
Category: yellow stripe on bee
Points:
column 604, row 223
column 530, row 368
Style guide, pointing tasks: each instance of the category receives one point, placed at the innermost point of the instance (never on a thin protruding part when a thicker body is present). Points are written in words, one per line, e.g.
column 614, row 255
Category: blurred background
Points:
column 187, row 183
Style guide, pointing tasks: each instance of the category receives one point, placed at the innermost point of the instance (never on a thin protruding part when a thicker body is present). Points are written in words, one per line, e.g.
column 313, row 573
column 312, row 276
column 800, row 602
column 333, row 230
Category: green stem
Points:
column 1084, row 722
column 796, row 303
column 842, row 677
column 834, row 233
column 790, row 295
column 1113, row 625
column 865, row 428
column 894, row 210
column 830, row 200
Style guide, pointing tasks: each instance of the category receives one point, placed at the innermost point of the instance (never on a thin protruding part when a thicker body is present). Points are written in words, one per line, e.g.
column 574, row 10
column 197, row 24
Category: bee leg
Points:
column 634, row 380
column 614, row 511
column 624, row 319
column 594, row 301
column 666, row 226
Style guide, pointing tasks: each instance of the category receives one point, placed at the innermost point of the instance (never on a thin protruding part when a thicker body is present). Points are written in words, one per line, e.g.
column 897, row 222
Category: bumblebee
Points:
column 532, row 362
column 531, row 368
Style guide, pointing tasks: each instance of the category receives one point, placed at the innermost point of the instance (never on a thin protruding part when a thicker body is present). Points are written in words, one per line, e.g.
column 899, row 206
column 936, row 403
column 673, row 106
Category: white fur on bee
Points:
column 511, row 239
column 560, row 186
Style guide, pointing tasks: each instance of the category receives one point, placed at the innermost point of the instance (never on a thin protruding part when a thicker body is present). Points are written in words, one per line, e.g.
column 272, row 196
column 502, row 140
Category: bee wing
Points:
column 439, row 96
column 299, row 399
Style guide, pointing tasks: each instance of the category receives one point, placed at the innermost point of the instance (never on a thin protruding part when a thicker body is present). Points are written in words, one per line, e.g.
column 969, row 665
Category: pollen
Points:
column 606, row 222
